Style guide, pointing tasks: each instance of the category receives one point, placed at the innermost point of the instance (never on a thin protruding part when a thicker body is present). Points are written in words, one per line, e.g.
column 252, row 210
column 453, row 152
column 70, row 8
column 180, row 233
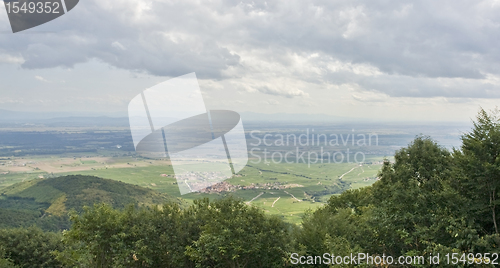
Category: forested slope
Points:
column 46, row 202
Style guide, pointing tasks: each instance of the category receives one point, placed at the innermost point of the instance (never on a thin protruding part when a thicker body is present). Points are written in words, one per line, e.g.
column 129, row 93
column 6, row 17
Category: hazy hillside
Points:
column 46, row 202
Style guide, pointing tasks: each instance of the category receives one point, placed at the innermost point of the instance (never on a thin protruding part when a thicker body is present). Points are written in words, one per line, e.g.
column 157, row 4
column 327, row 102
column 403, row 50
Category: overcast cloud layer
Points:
column 369, row 51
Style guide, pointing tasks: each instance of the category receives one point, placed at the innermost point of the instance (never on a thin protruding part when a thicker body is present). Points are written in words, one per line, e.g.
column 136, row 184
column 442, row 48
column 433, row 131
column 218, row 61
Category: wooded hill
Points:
column 46, row 202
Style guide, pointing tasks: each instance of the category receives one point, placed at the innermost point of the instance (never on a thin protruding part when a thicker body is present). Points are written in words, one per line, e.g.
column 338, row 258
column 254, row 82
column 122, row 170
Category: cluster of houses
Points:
column 227, row 187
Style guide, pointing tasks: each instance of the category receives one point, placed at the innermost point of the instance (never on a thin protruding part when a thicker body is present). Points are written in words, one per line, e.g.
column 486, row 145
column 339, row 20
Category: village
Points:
column 227, row 187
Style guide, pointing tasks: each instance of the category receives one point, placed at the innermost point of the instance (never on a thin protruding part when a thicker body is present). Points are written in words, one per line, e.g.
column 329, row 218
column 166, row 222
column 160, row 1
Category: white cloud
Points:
column 369, row 96
column 284, row 92
column 11, row 101
column 118, row 45
column 39, row 78
column 271, row 102
column 9, row 59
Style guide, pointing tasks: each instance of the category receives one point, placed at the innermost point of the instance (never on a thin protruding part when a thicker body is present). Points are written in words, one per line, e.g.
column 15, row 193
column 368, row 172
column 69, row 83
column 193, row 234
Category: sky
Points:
column 378, row 60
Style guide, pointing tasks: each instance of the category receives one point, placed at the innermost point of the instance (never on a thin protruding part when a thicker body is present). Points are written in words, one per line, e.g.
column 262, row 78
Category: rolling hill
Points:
column 46, row 202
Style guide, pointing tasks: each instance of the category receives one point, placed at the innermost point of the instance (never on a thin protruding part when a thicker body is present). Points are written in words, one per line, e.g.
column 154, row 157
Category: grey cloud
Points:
column 434, row 38
column 288, row 93
column 406, row 86
column 88, row 32
column 421, row 87
column 412, row 43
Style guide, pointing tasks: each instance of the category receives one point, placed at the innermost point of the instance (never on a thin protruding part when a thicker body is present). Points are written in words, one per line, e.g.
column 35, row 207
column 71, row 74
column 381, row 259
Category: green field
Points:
column 12, row 178
column 311, row 185
column 321, row 179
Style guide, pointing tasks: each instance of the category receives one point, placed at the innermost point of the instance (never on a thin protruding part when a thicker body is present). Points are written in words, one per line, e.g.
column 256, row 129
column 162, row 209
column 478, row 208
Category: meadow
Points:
column 279, row 187
column 297, row 187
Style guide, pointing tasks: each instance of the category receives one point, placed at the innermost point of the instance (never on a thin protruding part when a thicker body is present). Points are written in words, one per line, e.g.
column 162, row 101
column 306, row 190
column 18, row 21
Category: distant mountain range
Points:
column 60, row 119
column 120, row 119
column 6, row 115
column 285, row 117
column 75, row 119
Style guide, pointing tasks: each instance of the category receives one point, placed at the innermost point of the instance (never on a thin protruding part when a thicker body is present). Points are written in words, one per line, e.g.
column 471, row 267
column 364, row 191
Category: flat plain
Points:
column 282, row 186
column 279, row 188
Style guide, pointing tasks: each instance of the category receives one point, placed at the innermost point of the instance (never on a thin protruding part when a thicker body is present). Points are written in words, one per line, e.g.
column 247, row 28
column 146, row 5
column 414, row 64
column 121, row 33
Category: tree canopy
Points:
column 428, row 201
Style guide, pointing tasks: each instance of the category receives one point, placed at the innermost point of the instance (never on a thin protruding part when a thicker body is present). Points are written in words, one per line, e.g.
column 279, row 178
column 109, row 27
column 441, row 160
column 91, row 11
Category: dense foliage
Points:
column 30, row 247
column 222, row 233
column 427, row 201
column 46, row 202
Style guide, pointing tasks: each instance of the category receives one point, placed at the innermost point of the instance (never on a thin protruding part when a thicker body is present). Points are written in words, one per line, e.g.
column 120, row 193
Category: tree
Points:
column 4, row 262
column 479, row 159
column 30, row 247
column 239, row 235
column 413, row 201
column 156, row 237
column 94, row 238
column 221, row 233
column 340, row 226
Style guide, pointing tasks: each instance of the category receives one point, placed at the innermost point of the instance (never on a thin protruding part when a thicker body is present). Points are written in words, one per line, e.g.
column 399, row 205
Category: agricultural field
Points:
column 276, row 178
column 283, row 189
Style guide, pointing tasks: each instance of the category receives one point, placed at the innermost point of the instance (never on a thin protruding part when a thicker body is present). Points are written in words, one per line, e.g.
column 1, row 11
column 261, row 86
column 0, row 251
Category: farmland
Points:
column 285, row 186
column 303, row 186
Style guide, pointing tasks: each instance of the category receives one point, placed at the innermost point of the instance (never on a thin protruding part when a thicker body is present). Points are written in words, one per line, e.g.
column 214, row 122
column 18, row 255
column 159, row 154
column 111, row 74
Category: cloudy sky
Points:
column 390, row 60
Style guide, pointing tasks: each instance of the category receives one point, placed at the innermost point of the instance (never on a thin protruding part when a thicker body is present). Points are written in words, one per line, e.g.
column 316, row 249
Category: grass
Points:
column 287, row 207
column 87, row 162
column 310, row 179
column 12, row 178
column 312, row 184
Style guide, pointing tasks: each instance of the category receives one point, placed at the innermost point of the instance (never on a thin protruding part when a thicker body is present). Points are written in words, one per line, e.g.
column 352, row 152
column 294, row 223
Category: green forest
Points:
column 428, row 201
